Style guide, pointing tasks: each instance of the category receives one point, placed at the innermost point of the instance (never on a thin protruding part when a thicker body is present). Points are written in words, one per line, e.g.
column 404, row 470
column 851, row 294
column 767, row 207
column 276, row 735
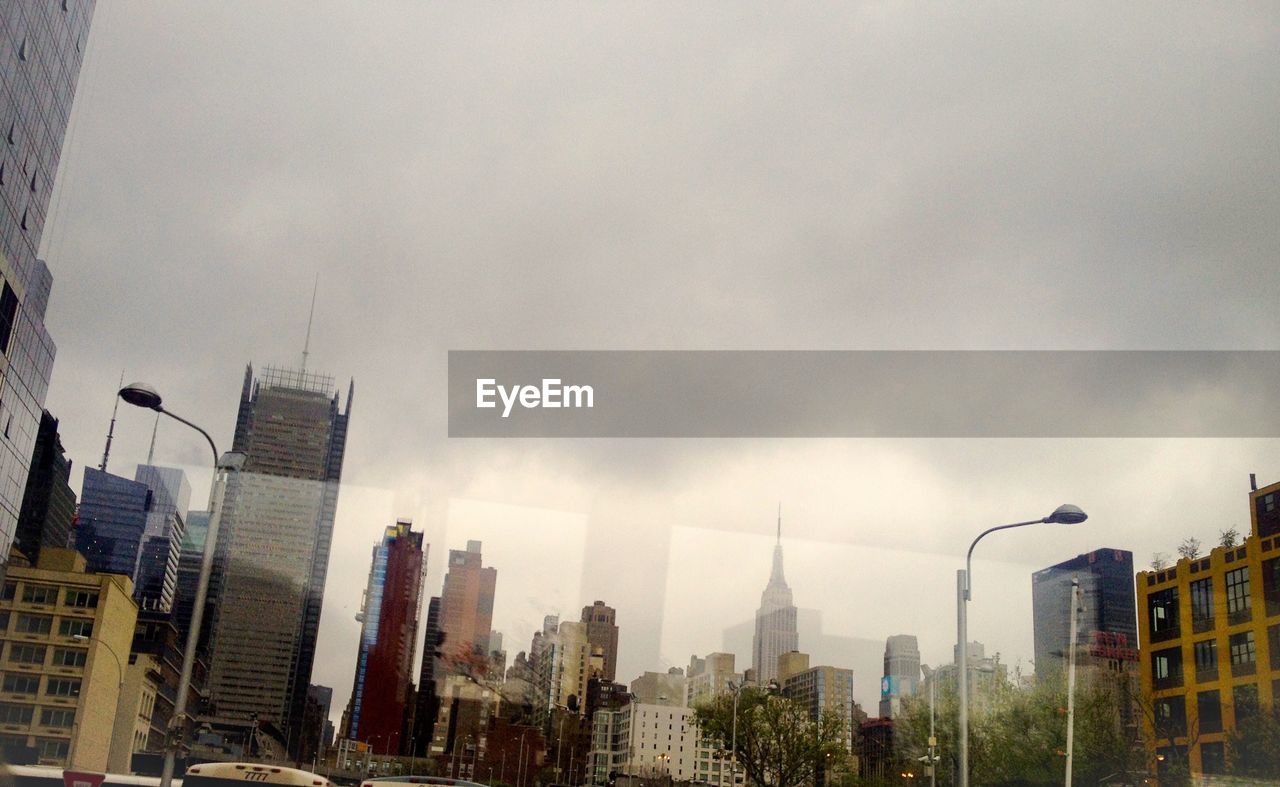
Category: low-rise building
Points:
column 64, row 636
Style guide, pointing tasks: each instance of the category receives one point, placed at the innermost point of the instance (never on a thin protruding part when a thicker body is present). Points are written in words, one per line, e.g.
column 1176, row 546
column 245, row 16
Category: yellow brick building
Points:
column 1210, row 634
column 65, row 637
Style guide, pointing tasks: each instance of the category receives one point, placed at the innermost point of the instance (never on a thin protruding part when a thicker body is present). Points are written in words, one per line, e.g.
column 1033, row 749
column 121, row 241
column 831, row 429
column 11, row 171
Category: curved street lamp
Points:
column 1066, row 514
column 145, row 395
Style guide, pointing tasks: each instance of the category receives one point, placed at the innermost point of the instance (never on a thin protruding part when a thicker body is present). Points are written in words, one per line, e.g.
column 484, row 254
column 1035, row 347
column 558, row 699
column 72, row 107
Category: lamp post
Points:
column 119, row 688
column 146, row 396
column 1077, row 605
column 1066, row 514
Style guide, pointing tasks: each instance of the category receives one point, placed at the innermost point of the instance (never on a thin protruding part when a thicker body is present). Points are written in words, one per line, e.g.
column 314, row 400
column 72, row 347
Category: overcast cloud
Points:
column 649, row 176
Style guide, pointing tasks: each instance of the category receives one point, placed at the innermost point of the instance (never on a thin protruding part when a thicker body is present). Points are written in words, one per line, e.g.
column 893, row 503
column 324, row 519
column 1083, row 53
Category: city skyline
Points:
column 1045, row 191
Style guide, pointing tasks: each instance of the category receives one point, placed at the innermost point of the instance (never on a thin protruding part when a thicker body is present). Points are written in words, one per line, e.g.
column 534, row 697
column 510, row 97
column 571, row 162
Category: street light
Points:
column 119, row 688
column 1063, row 515
column 144, row 395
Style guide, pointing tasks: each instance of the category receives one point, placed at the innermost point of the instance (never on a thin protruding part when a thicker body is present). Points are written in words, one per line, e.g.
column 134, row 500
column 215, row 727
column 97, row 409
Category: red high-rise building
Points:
column 384, row 665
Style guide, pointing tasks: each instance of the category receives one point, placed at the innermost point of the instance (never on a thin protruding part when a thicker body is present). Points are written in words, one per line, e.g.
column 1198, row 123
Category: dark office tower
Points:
column 384, row 661
column 602, row 632
column 1109, row 622
column 189, row 557
column 112, row 521
column 156, row 577
column 776, row 631
column 901, row 673
column 427, row 700
column 315, row 737
column 272, row 552
column 43, row 43
column 466, row 604
column 49, row 504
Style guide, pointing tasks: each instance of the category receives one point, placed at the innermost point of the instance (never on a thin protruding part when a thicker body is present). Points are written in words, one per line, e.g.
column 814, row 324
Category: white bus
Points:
column 51, row 776
column 224, row 774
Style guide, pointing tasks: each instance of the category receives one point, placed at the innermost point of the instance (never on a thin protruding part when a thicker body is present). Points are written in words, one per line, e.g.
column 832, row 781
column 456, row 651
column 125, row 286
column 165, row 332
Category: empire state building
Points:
column 775, row 620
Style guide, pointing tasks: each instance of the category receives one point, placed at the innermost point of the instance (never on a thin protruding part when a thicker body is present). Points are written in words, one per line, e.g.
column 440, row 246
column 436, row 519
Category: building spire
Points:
column 111, row 430
column 306, row 344
column 779, row 523
column 154, row 428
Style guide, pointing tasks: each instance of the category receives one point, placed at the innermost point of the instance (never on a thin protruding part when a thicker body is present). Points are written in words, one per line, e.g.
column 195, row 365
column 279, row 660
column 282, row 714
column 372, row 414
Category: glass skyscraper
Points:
column 112, row 521
column 42, row 44
column 156, row 577
column 1110, row 609
column 272, row 552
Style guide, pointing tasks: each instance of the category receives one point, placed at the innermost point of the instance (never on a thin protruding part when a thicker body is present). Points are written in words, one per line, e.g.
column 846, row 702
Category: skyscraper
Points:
column 384, row 661
column 1110, row 609
column 602, row 633
column 156, row 576
column 44, row 43
column 775, row 620
column 272, row 552
column 427, row 701
column 189, row 558
column 48, row 504
column 112, row 521
column 466, row 605
column 901, row 673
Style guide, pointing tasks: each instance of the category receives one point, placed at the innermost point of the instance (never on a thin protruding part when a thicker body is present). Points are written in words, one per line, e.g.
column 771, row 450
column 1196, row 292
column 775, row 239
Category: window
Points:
column 74, row 627
column 1202, row 605
column 39, row 594
column 17, row 683
column 1209, row 711
column 1162, row 607
column 1171, row 717
column 63, row 687
column 8, row 311
column 26, row 653
column 82, row 599
column 52, row 748
column 1238, row 601
column 64, row 657
column 4, row 620
column 1213, row 758
column 1206, row 652
column 1271, row 585
column 1243, row 654
column 1273, row 646
column 15, row 714
column 33, row 624
column 57, row 717
column 10, row 588
column 1166, row 668
column 1245, row 700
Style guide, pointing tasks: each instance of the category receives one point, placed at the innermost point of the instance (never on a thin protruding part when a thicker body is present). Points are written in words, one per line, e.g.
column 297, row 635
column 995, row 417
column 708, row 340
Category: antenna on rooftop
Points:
column 111, row 430
column 154, row 428
column 306, row 345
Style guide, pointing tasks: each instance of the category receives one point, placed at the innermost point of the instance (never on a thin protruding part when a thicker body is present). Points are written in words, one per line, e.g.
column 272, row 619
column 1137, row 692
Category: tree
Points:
column 1229, row 537
column 1017, row 736
column 1159, row 561
column 1254, row 748
column 1189, row 548
column 778, row 743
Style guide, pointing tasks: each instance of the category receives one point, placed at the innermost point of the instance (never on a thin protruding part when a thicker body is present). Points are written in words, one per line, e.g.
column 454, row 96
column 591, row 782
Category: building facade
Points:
column 42, row 44
column 272, row 551
column 49, row 503
column 1210, row 642
column 1109, row 617
column 156, row 576
column 466, row 604
column 602, row 632
column 901, row 673
column 776, row 632
column 65, row 633
column 381, row 694
column 112, row 521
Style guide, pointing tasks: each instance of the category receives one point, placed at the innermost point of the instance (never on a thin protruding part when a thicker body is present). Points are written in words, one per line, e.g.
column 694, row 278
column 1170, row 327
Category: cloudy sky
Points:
column 676, row 176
